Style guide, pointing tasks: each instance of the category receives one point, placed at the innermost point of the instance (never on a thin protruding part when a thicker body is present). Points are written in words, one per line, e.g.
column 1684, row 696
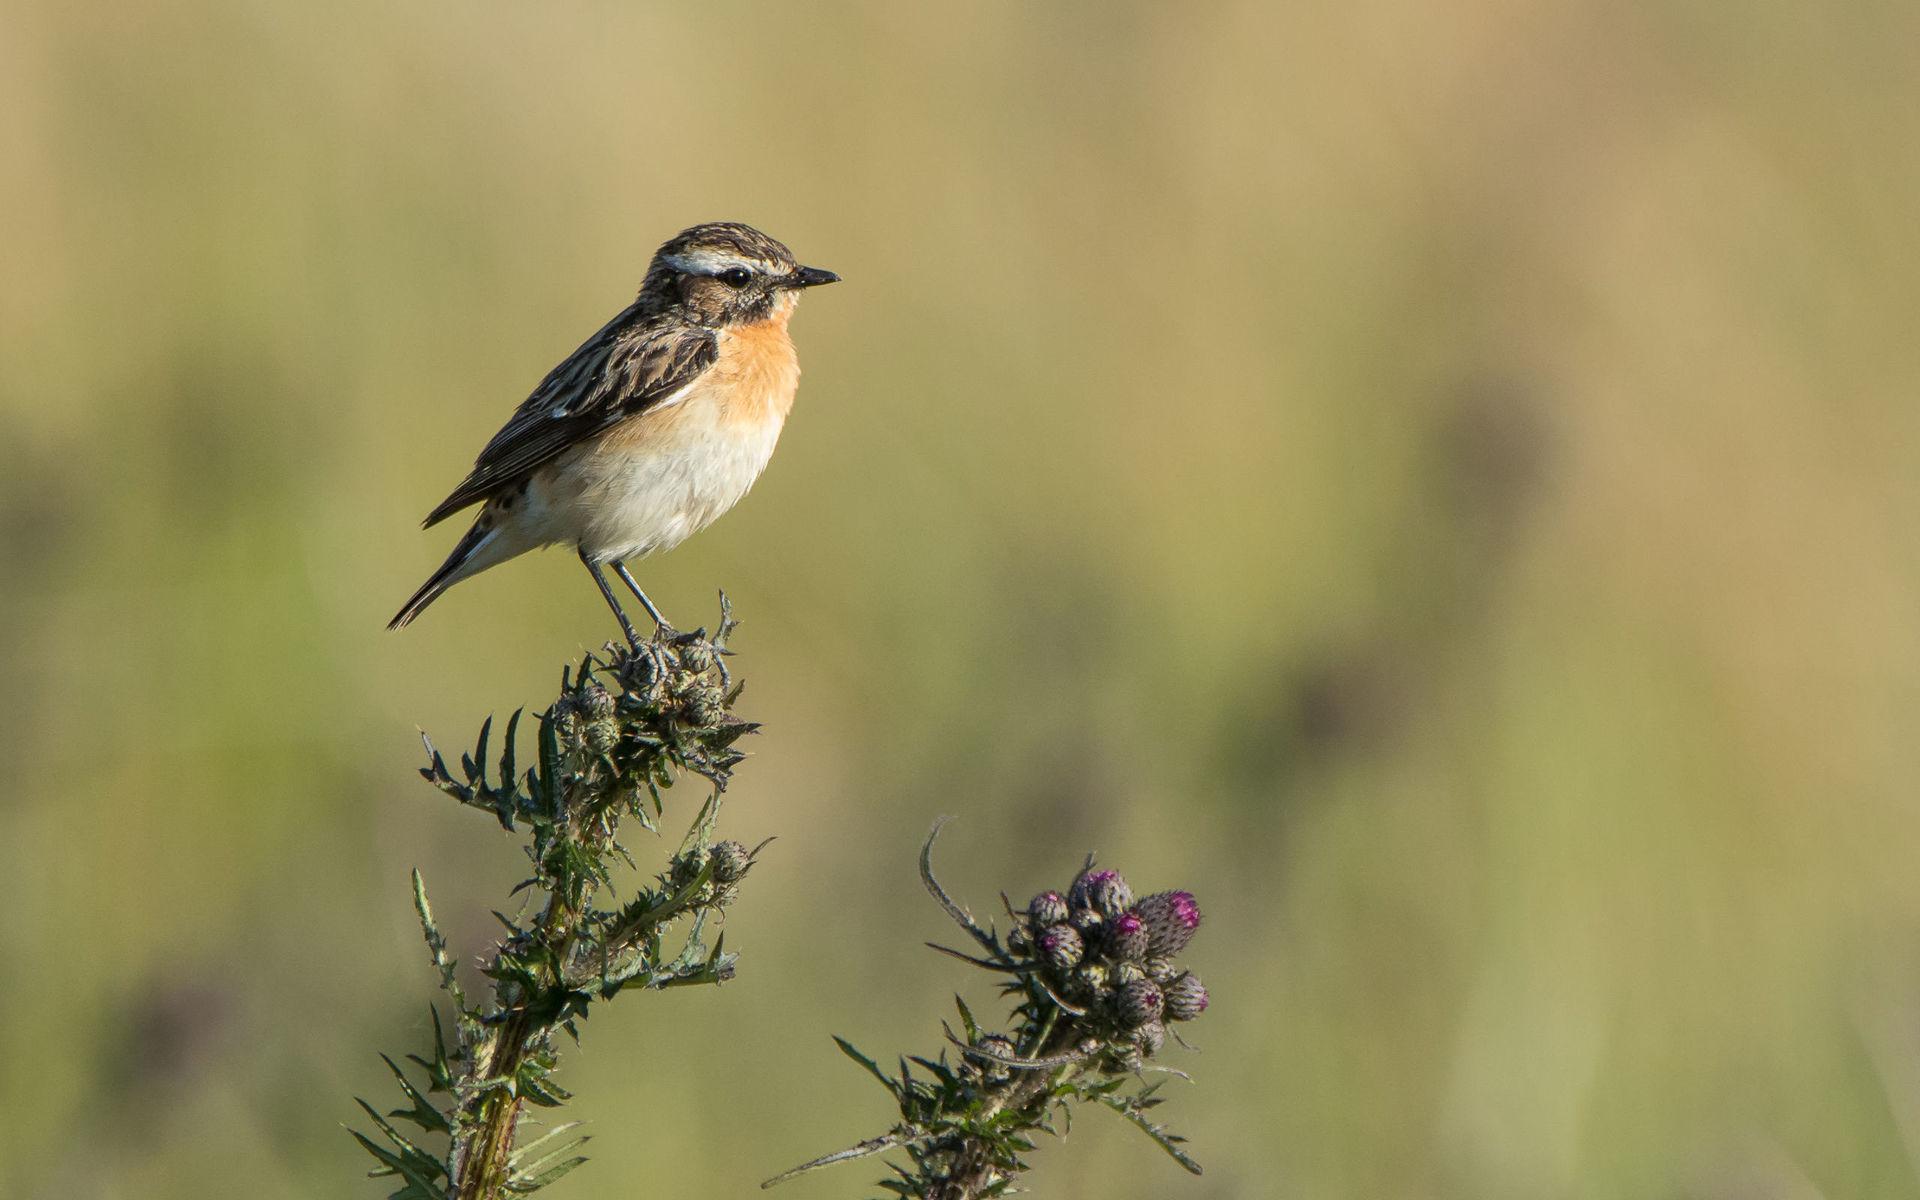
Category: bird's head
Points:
column 726, row 273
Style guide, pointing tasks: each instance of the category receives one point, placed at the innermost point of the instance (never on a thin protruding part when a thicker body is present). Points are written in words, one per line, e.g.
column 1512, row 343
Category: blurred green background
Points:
column 1438, row 481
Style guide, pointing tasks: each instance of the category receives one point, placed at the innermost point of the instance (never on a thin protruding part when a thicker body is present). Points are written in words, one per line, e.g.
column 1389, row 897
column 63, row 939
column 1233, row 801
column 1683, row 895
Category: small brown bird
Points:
column 649, row 431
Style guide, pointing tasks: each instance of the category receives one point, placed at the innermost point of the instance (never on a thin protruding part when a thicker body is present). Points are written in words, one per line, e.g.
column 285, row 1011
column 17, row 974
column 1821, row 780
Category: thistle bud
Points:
column 1125, row 937
column 696, row 655
column 1090, row 979
column 685, row 868
column 705, row 706
column 1061, row 947
column 724, row 894
column 1186, row 998
column 593, row 702
column 1002, row 1047
column 601, row 735
column 1161, row 970
column 998, row 1044
column 1122, row 974
column 1170, row 919
column 1081, row 894
column 730, row 862
column 1048, row 908
column 1138, row 1003
column 1109, row 893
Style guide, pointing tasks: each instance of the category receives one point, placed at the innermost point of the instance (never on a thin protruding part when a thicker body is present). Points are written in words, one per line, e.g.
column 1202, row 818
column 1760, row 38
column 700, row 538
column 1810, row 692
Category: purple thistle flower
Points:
column 1048, row 908
column 1170, row 918
column 1139, row 1002
column 1110, row 894
column 1127, row 937
column 1080, row 895
column 1061, row 947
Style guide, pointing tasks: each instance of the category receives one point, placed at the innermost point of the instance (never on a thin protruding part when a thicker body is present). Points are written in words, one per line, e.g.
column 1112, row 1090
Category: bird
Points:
column 652, row 429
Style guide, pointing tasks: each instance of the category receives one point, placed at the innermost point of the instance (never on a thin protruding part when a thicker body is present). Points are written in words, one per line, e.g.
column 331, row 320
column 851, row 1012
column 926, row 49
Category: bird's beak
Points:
column 806, row 277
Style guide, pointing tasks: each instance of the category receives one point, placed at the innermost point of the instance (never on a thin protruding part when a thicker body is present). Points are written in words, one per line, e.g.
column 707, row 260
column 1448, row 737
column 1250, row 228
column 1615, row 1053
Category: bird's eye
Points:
column 735, row 277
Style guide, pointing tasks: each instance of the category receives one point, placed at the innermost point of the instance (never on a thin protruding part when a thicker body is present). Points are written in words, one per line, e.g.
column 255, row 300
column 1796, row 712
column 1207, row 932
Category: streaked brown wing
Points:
column 617, row 373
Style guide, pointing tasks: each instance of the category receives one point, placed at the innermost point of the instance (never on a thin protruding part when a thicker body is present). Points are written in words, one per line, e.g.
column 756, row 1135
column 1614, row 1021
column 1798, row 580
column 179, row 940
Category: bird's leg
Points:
column 626, row 577
column 665, row 629
column 654, row 649
column 613, row 602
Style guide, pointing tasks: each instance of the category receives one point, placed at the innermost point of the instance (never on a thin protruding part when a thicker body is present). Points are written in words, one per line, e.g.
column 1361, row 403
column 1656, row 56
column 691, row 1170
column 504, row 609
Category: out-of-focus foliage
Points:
column 1438, row 480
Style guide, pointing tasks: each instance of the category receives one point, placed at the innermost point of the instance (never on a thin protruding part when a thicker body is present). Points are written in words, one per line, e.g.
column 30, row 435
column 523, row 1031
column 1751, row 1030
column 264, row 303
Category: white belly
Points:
column 628, row 496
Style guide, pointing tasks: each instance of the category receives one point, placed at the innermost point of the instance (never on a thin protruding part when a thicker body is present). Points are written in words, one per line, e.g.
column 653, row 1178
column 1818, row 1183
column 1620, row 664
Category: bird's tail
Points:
column 472, row 554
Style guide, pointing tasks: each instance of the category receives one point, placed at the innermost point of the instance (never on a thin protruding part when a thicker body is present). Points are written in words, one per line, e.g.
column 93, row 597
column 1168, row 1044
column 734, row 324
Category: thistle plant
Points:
column 1096, row 994
column 628, row 723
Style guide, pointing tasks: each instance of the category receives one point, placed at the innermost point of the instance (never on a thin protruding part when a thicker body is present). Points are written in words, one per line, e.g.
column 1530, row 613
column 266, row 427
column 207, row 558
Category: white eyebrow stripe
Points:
column 710, row 262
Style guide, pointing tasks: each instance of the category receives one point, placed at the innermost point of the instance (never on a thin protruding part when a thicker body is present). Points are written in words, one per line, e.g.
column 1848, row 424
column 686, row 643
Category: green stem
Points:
column 482, row 1158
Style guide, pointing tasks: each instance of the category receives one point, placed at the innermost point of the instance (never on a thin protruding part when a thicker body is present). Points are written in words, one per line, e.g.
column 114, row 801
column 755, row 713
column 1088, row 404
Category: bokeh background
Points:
column 1437, row 480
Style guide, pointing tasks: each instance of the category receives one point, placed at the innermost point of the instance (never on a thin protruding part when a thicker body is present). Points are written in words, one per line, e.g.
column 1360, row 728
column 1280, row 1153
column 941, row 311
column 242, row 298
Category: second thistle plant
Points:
column 1096, row 991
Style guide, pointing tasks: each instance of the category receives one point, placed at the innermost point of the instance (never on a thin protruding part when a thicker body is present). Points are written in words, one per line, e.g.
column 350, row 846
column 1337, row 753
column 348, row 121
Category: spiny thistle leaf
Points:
column 1162, row 1137
column 526, row 1158
column 873, row 1068
column 436, row 943
column 423, row 1113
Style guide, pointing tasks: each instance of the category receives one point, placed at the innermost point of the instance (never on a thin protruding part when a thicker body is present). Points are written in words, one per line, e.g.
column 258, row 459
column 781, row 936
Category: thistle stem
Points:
column 482, row 1161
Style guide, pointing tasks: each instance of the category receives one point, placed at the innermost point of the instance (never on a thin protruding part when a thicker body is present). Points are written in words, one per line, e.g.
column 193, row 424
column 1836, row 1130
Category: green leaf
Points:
column 938, row 1070
column 523, row 1156
column 966, row 1020
column 1162, row 1137
column 537, row 1085
column 550, row 793
column 533, row 1171
column 476, row 767
column 423, row 1113
column 506, row 749
column 521, row 1187
column 873, row 1068
column 436, row 942
column 416, row 1166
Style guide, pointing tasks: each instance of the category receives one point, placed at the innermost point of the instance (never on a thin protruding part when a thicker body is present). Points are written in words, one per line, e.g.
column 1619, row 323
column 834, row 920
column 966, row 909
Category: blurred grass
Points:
column 1438, row 481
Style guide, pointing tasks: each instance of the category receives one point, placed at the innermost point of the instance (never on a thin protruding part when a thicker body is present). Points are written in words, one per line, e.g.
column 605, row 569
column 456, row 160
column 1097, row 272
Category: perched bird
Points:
column 649, row 431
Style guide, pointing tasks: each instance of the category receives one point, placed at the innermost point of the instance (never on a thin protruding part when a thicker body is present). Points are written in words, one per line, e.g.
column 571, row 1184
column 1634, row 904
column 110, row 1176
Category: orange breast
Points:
column 758, row 371
column 747, row 392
